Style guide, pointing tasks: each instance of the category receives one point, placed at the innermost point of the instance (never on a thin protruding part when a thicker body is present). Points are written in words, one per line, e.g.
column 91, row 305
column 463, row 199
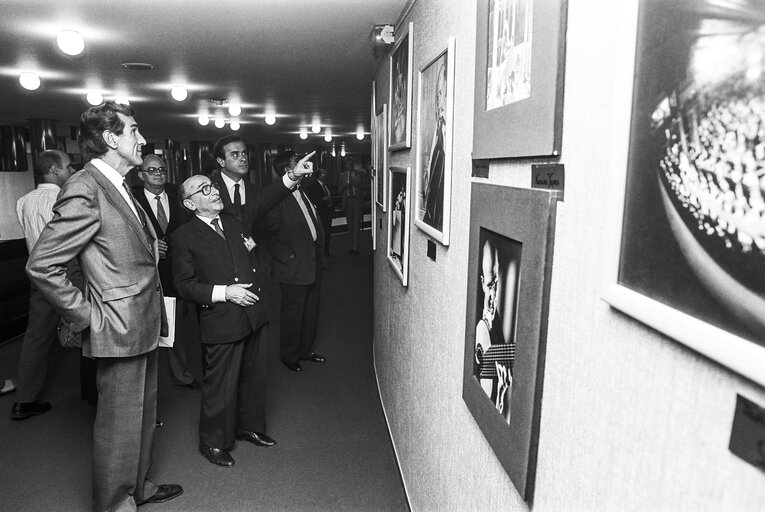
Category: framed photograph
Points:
column 400, row 99
column 509, row 269
column 435, row 106
column 399, row 206
column 375, row 174
column 690, row 260
column 381, row 157
column 520, row 62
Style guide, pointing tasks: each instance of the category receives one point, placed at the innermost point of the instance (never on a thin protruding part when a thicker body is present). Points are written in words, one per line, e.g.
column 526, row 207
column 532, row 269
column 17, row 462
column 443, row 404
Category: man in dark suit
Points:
column 159, row 200
column 215, row 265
column 121, row 313
column 231, row 178
column 351, row 190
column 294, row 237
column 319, row 194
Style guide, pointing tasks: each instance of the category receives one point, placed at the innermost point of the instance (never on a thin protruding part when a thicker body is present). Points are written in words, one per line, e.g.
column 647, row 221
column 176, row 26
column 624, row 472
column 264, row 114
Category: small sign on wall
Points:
column 747, row 437
column 548, row 177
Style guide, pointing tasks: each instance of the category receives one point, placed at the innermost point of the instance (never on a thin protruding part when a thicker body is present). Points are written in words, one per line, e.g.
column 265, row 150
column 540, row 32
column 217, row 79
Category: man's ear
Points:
column 189, row 204
column 109, row 139
column 221, row 162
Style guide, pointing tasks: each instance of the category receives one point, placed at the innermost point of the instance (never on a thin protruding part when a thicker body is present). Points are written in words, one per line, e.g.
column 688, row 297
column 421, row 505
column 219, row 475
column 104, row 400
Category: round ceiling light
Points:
column 95, row 98
column 315, row 127
column 328, row 137
column 219, row 122
column 179, row 93
column 360, row 135
column 303, row 133
column 270, row 119
column 234, row 110
column 204, row 120
column 29, row 81
column 70, row 42
column 234, row 125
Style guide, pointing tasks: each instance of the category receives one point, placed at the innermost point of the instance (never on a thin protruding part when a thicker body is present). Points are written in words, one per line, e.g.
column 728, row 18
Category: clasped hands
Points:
column 240, row 295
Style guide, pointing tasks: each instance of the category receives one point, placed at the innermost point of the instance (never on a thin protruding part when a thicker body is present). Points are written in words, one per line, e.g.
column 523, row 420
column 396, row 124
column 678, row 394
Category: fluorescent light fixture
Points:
column 234, row 125
column 204, row 120
column 219, row 122
column 179, row 93
column 95, row 98
column 234, row 110
column 29, row 81
column 70, row 42
column 270, row 119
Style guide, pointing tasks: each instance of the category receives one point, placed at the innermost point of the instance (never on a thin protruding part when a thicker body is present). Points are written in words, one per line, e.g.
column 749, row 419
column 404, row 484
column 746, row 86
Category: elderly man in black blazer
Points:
column 215, row 266
column 294, row 237
column 159, row 199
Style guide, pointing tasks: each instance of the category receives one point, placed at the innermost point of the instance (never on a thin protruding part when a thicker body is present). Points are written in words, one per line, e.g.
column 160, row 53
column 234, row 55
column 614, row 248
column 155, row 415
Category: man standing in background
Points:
column 159, row 199
column 34, row 210
column 319, row 194
column 351, row 182
column 121, row 313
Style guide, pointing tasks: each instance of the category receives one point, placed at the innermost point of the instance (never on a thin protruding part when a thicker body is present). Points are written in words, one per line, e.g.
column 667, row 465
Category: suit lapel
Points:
column 115, row 198
column 143, row 201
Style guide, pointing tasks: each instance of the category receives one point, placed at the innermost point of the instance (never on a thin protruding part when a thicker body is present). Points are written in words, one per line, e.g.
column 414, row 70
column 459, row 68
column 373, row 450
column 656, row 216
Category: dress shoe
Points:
column 316, row 358
column 217, row 456
column 194, row 384
column 295, row 367
column 165, row 492
column 23, row 410
column 158, row 424
column 255, row 438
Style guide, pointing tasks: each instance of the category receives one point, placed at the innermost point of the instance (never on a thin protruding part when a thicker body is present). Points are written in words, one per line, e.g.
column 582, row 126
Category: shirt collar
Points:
column 109, row 172
column 151, row 195
column 228, row 181
column 51, row 186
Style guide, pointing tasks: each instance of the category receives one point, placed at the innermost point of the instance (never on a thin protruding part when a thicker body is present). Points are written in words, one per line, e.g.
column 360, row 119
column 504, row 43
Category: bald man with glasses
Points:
column 216, row 267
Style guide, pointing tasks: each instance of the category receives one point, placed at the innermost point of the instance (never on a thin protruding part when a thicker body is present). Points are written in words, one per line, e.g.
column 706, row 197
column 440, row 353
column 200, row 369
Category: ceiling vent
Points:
column 141, row 66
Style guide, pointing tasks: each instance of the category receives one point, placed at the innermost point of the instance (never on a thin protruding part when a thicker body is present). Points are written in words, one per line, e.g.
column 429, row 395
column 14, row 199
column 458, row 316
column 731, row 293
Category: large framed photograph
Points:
column 399, row 206
column 509, row 270
column 520, row 61
column 433, row 177
column 691, row 256
column 400, row 99
column 380, row 143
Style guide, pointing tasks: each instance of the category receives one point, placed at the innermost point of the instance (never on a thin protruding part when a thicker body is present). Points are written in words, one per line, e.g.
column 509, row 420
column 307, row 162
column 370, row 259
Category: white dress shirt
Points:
column 151, row 197
column 35, row 210
column 117, row 180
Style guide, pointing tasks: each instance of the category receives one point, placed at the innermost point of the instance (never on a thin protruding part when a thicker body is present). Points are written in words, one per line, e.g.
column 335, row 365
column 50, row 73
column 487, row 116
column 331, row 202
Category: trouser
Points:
column 36, row 347
column 353, row 213
column 233, row 389
column 186, row 327
column 123, row 432
column 299, row 319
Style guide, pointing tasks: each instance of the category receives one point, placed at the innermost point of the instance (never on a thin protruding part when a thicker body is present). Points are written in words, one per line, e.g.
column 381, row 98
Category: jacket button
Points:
column 157, row 287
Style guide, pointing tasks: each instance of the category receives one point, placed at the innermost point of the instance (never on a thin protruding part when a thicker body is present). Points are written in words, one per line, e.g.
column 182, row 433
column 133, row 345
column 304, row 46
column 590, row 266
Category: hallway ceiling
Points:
column 298, row 59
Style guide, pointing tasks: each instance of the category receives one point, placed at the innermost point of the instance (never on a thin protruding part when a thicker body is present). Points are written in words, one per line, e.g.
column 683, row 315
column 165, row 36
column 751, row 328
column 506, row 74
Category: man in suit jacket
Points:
column 351, row 190
column 215, row 265
column 160, row 201
column 319, row 194
column 294, row 237
column 231, row 176
column 121, row 312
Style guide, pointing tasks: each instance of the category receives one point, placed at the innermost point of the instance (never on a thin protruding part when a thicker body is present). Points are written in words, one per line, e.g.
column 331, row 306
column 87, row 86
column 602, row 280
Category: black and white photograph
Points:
column 434, row 145
column 400, row 98
column 380, row 142
column 508, row 72
column 399, row 212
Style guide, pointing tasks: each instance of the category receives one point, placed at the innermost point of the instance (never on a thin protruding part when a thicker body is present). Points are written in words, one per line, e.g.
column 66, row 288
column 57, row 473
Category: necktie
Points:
column 161, row 217
column 237, row 197
column 309, row 209
column 138, row 210
column 214, row 224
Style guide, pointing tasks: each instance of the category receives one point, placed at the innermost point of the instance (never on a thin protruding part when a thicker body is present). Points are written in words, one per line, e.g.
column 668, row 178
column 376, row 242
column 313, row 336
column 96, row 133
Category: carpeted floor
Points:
column 333, row 451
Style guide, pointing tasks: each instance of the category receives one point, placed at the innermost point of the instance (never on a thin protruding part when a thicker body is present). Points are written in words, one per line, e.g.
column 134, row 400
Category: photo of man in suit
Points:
column 121, row 313
column 159, row 199
column 294, row 237
column 215, row 265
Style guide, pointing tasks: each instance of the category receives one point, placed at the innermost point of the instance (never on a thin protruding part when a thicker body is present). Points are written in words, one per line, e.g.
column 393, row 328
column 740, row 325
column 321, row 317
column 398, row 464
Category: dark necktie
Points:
column 309, row 209
column 214, row 224
column 161, row 217
column 237, row 197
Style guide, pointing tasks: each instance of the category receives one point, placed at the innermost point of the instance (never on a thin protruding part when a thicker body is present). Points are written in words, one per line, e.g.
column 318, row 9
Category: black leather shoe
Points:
column 23, row 410
column 255, row 438
column 295, row 367
column 217, row 456
column 164, row 493
column 316, row 358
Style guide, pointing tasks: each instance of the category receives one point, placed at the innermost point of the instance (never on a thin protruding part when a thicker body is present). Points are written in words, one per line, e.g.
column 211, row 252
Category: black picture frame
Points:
column 520, row 63
column 523, row 234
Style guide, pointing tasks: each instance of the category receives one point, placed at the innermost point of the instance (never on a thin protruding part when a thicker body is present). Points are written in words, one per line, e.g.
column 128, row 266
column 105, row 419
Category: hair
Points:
column 220, row 144
column 96, row 120
column 46, row 159
column 282, row 162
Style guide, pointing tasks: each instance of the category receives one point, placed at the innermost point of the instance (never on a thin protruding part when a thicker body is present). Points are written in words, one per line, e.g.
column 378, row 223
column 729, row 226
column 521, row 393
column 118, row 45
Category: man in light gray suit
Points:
column 121, row 312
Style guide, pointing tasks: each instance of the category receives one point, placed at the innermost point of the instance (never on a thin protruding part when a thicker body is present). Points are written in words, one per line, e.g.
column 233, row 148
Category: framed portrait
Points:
column 433, row 177
column 520, row 62
column 399, row 206
column 375, row 173
column 690, row 260
column 400, row 100
column 509, row 270
column 381, row 157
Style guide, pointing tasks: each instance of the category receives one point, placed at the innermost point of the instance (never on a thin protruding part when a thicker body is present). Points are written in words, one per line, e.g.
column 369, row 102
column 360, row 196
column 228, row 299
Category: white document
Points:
column 167, row 341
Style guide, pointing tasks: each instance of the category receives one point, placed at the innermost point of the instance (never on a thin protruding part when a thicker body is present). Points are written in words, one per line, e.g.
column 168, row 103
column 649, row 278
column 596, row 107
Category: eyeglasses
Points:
column 155, row 170
column 206, row 190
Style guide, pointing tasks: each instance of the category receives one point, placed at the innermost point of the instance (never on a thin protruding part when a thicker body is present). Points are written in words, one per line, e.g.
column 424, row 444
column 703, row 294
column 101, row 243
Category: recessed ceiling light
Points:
column 204, row 120
column 234, row 125
column 70, row 42
column 95, row 98
column 328, row 136
column 234, row 110
column 220, row 123
column 270, row 119
column 141, row 66
column 360, row 135
column 303, row 133
column 315, row 127
column 179, row 93
column 29, row 81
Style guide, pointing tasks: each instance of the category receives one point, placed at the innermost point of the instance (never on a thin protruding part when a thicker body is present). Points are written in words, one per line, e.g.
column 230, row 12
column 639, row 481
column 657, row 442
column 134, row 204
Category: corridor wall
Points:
column 630, row 419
